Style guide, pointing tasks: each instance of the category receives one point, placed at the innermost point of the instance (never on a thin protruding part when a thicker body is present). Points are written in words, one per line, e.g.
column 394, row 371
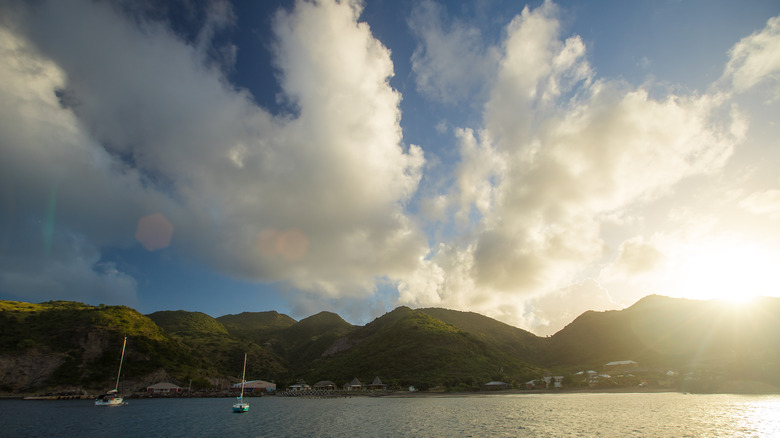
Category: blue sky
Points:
column 527, row 161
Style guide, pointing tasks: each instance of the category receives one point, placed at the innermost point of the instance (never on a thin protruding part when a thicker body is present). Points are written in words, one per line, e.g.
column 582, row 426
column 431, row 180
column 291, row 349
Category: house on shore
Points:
column 164, row 388
column 300, row 386
column 553, row 382
column 377, row 385
column 495, row 386
column 256, row 386
column 354, row 385
column 621, row 365
column 325, row 385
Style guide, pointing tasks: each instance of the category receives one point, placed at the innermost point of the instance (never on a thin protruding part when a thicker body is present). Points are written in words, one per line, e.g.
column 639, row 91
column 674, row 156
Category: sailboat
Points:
column 112, row 397
column 240, row 405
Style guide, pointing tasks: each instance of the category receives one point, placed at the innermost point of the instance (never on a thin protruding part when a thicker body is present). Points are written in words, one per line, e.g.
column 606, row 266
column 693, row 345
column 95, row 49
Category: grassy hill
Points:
column 182, row 322
column 218, row 351
column 305, row 341
column 255, row 326
column 684, row 334
column 511, row 340
column 409, row 347
column 64, row 343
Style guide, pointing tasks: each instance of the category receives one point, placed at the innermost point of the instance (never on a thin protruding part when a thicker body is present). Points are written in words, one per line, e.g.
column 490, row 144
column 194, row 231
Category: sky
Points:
column 528, row 161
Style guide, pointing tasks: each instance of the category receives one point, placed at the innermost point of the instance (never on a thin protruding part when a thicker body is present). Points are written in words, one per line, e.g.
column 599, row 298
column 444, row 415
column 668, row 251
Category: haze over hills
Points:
column 56, row 345
column 662, row 331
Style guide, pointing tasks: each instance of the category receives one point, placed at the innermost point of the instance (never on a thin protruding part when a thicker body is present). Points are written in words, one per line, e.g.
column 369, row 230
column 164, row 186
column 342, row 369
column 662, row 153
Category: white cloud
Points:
column 756, row 58
column 561, row 153
column 636, row 257
column 597, row 154
column 475, row 174
column 97, row 133
column 762, row 202
column 551, row 312
column 62, row 266
column 58, row 187
column 535, row 69
column 450, row 62
column 148, row 124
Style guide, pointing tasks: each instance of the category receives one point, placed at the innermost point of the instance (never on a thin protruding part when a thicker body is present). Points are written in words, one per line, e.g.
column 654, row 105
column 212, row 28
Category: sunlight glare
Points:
column 735, row 273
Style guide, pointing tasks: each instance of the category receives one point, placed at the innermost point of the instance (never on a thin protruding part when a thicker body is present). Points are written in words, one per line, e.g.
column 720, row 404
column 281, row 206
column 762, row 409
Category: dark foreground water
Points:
column 543, row 415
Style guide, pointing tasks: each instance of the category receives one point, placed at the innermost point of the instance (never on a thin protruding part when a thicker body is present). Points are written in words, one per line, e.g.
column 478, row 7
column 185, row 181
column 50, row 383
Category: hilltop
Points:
column 411, row 347
column 62, row 343
column 57, row 345
column 687, row 335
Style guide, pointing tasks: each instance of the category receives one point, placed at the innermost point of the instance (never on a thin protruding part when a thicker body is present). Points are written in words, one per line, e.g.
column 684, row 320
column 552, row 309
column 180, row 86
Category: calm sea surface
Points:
column 542, row 415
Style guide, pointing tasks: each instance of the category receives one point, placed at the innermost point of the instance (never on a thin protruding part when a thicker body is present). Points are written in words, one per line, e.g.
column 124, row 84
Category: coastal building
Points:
column 621, row 364
column 553, row 382
column 325, row 385
column 354, row 385
column 300, row 386
column 163, row 388
column 256, row 386
column 495, row 386
column 377, row 385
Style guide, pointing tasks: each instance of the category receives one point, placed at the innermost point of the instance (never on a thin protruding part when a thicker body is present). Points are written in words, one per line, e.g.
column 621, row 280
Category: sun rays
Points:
column 735, row 272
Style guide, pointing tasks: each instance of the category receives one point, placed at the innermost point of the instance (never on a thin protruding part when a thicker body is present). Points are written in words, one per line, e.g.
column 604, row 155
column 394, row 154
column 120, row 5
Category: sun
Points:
column 736, row 272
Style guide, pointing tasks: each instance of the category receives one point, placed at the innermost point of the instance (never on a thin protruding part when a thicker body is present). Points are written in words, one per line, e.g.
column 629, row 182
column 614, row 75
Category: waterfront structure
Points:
column 256, row 386
column 164, row 388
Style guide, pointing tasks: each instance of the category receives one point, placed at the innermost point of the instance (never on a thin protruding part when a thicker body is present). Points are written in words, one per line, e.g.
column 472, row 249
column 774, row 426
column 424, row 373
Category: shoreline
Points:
column 405, row 394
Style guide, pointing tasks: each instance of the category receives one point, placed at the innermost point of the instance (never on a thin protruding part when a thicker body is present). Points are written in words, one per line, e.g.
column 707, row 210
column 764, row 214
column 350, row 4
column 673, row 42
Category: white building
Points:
column 256, row 386
column 163, row 388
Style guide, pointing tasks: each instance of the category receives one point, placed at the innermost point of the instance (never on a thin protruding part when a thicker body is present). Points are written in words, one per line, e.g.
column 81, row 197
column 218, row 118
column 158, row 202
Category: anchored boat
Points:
column 113, row 397
column 240, row 405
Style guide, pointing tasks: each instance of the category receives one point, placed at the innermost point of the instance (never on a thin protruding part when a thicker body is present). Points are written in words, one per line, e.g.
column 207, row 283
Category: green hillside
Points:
column 180, row 321
column 255, row 326
column 59, row 344
column 66, row 343
column 510, row 340
column 409, row 347
column 308, row 339
column 662, row 331
column 218, row 351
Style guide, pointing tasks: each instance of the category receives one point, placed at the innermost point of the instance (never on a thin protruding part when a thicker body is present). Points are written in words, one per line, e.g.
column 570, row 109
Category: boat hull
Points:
column 109, row 401
column 240, row 407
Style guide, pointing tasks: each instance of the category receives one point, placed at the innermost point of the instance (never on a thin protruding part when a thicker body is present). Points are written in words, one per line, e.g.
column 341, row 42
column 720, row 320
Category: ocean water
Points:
column 515, row 415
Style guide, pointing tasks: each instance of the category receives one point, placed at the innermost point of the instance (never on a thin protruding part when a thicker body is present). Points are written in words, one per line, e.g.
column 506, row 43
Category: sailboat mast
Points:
column 243, row 375
column 119, row 373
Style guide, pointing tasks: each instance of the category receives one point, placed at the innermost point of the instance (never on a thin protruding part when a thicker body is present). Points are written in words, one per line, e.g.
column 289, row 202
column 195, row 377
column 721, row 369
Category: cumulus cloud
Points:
column 762, row 202
column 535, row 69
column 635, row 257
column 588, row 157
column 70, row 269
column 55, row 176
column 756, row 58
column 560, row 153
column 98, row 133
column 450, row 63
column 140, row 121
column 551, row 312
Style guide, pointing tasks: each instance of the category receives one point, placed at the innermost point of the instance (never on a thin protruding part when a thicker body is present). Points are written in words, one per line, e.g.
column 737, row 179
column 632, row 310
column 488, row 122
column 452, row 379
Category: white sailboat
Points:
column 112, row 397
column 240, row 405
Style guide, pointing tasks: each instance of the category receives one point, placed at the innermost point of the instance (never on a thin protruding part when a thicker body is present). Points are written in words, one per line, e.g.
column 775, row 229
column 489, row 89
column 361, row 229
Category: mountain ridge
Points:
column 423, row 347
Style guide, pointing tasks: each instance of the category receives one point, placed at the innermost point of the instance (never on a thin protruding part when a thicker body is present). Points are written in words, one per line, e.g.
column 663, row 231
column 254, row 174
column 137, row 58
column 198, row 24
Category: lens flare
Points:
column 154, row 232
